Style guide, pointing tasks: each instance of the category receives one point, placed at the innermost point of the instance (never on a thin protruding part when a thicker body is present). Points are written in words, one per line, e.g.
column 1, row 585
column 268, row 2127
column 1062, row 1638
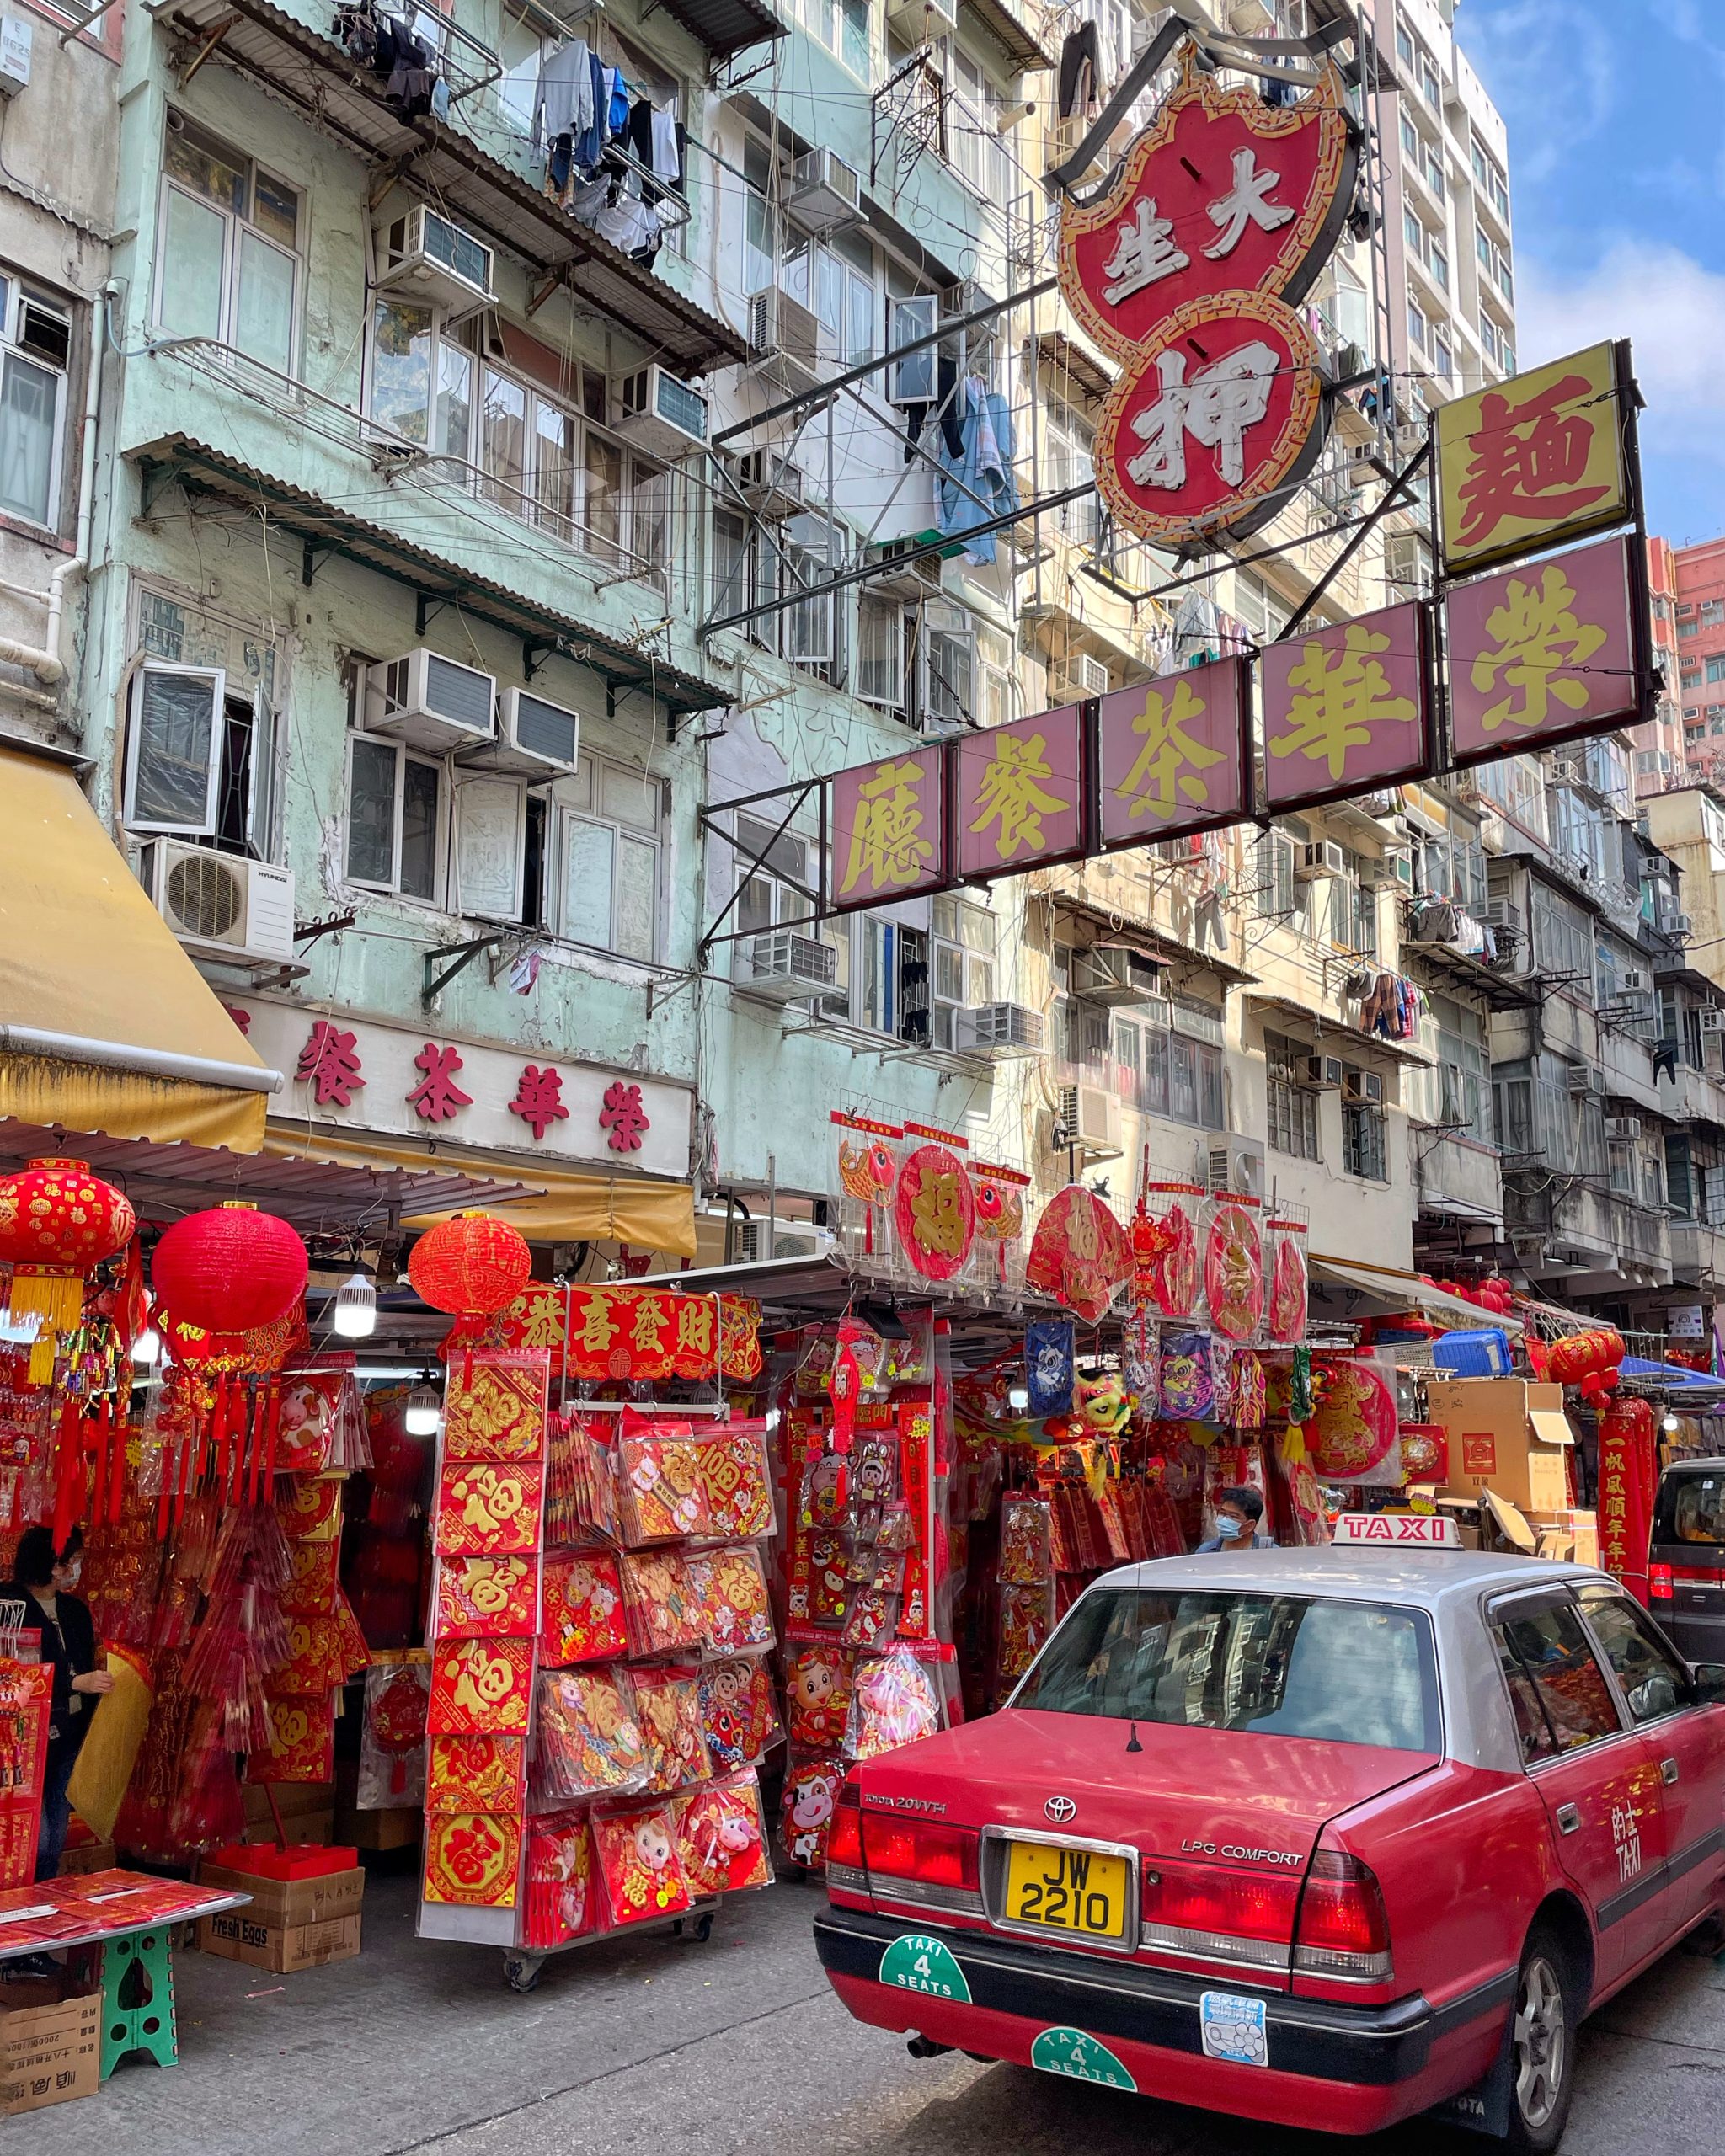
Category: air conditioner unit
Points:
column 785, row 967
column 1235, row 1165
column 998, row 1029
column 1113, row 974
column 1680, row 925
column 1322, row 1074
column 1079, row 679
column 825, row 192
column 772, row 484
column 1410, row 438
column 661, row 413
column 1089, row 1119
column 785, row 340
column 1586, row 1078
column 791, row 1239
column 910, row 580
column 219, row 901
column 1711, row 1019
column 431, row 702
column 423, row 256
column 1632, row 982
column 1366, row 1086
column 920, row 22
column 536, row 739
column 1623, row 1129
column 1319, row 860
column 1363, row 470
column 1501, row 915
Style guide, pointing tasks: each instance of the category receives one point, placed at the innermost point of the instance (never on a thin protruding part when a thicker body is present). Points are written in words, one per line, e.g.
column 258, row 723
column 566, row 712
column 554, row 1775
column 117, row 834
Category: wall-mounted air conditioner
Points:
column 1586, row 1078
column 910, row 580
column 1115, row 975
column 825, row 193
column 784, row 968
column 1499, row 913
column 423, row 256
column 431, row 702
column 784, row 341
column 1319, row 860
column 1235, row 1165
column 772, row 485
column 999, row 1030
column 1711, row 1019
column 535, row 739
column 219, row 901
column 1089, row 1118
column 1322, row 1074
column 1078, row 679
column 1363, row 1086
column 659, row 412
column 1623, row 1130
column 790, row 1239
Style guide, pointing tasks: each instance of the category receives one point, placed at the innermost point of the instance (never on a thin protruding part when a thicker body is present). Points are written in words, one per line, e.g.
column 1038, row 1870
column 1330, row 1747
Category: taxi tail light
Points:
column 1344, row 1928
column 1230, row 1904
column 1659, row 1582
column 844, row 1835
column 923, row 1851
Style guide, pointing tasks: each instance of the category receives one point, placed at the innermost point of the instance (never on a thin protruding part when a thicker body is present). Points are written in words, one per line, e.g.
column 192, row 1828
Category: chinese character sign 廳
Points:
column 888, row 835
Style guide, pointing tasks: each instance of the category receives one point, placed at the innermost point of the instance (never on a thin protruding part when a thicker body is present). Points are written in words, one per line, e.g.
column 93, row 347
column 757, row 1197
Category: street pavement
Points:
column 634, row 2047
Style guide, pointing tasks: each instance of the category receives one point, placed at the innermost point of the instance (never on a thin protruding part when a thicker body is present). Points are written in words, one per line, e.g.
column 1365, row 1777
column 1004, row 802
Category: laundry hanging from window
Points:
column 979, row 484
column 602, row 141
column 392, row 44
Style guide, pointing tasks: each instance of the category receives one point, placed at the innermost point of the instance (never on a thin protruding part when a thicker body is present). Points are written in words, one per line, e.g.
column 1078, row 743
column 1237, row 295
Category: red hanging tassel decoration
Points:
column 245, row 1401
column 219, row 1435
column 99, row 1447
column 272, row 1431
column 116, row 1466
column 183, row 1478
column 69, row 1474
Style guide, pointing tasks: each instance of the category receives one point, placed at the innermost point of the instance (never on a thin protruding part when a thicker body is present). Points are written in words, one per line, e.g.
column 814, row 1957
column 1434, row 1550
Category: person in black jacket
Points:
column 42, row 1580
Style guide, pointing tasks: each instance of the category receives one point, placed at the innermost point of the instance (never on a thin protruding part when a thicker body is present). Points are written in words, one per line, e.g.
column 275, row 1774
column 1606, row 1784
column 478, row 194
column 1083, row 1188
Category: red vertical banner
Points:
column 1628, row 1470
column 26, row 1690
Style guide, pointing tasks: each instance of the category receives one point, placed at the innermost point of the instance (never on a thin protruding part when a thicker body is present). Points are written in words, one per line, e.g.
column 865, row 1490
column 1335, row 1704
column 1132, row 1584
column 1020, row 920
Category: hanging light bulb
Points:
column 1018, row 1398
column 355, row 1316
column 1669, row 1423
column 423, row 1413
column 146, row 1348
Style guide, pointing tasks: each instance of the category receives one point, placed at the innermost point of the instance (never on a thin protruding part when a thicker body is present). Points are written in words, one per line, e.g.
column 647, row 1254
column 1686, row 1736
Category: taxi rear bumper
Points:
column 1351, row 2068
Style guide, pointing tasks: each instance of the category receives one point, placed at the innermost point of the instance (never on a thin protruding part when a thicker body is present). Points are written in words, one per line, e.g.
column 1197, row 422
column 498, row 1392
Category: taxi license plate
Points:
column 1082, row 1891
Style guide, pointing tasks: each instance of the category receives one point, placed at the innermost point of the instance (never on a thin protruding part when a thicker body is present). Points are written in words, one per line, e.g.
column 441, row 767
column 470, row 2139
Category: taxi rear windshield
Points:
column 1352, row 1673
column 1692, row 1508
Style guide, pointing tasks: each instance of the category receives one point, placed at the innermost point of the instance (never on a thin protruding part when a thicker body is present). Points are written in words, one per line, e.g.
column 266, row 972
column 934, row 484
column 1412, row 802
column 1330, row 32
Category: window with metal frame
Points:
column 36, row 356
column 610, row 843
column 1365, row 1141
column 397, row 835
column 1291, row 1109
column 228, row 249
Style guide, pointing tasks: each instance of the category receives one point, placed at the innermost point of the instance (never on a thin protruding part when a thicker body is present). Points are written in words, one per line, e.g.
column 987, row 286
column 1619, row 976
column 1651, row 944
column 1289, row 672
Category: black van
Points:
column 1686, row 1563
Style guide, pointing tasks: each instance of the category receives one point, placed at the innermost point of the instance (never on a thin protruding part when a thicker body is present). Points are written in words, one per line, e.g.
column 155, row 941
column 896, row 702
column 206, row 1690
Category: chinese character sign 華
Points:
column 889, row 830
column 1543, row 652
column 1174, row 755
column 1534, row 461
column 1021, row 793
column 1345, row 707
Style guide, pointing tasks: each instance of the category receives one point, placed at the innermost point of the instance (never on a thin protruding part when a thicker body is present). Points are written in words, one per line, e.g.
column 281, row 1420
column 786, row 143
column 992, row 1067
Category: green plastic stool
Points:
column 137, row 1999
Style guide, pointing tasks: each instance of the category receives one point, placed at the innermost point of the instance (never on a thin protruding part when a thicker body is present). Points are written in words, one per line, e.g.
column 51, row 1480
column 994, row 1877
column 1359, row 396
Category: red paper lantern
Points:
column 230, row 1270
column 1582, row 1353
column 55, row 1213
column 471, row 1265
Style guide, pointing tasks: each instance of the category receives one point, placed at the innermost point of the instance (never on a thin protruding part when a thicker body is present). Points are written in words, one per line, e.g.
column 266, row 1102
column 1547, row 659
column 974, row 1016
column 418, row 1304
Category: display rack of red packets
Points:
column 721, row 1837
column 639, row 1864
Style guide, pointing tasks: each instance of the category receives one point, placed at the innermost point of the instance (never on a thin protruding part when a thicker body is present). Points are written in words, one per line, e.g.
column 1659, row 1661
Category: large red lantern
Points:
column 57, row 1223
column 229, row 1270
column 1583, row 1354
column 471, row 1266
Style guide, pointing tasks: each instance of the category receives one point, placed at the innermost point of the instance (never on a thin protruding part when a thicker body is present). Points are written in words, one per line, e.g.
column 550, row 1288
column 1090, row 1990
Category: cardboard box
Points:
column 88, row 1856
column 50, row 2044
column 298, row 1826
column 237, row 1935
column 400, row 1827
column 289, row 1904
column 1507, row 1435
column 1572, row 1536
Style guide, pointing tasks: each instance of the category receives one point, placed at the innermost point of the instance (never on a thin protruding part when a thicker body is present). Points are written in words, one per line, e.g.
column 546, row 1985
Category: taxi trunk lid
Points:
column 1225, row 1821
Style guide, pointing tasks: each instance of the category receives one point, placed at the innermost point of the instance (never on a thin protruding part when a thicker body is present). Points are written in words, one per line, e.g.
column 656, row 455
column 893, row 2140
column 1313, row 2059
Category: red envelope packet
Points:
column 562, row 1900
column 480, row 1598
column 476, row 1774
column 590, row 1739
column 736, row 1612
column 473, row 1858
column 301, row 1741
column 489, row 1509
column 494, row 1408
column 310, row 1508
column 481, row 1687
column 734, row 1473
column 582, row 1618
column 310, row 1587
column 659, row 1602
column 661, row 1492
column 721, row 1837
column 643, row 1874
column 739, row 1717
column 811, row 1790
column 668, row 1707
column 818, row 1696
column 316, row 1660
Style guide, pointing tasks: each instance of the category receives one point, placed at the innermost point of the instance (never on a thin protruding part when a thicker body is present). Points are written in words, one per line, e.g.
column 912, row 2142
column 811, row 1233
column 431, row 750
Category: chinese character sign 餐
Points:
column 1021, row 793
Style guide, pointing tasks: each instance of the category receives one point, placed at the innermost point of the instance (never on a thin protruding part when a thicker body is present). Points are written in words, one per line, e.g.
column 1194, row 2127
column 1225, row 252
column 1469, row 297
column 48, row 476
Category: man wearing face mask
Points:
column 42, row 1580
column 1239, row 1513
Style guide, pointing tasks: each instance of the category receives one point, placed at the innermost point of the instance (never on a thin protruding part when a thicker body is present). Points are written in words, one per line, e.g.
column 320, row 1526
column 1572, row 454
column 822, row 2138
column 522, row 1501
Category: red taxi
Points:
column 1331, row 1836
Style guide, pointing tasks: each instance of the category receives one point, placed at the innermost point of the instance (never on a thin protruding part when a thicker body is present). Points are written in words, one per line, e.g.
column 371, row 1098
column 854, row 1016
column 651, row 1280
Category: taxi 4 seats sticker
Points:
column 915, row 1963
column 1079, row 2057
column 1232, row 2027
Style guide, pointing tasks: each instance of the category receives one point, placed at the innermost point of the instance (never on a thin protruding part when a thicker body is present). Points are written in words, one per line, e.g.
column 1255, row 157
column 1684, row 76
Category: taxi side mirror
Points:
column 1709, row 1684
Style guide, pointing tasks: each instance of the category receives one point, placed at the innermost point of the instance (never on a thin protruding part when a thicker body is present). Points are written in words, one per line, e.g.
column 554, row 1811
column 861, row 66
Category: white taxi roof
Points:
column 1423, row 1578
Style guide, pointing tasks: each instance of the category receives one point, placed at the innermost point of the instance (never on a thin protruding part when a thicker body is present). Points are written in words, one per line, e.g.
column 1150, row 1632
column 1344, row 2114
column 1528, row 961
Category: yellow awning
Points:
column 654, row 1216
column 105, row 1024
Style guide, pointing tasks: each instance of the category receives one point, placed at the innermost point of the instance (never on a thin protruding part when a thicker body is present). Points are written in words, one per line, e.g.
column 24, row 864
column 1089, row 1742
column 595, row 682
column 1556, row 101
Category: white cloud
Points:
column 1672, row 309
column 1551, row 70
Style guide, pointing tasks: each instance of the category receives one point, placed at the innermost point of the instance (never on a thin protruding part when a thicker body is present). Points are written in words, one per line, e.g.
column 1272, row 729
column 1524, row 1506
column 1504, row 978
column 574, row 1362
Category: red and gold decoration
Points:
column 57, row 1223
column 1589, row 1361
column 1629, row 1471
column 471, row 1266
column 1353, row 1426
column 1233, row 1268
column 472, row 1858
column 934, row 1209
column 1080, row 1253
column 231, row 1269
column 643, row 1335
column 25, row 1694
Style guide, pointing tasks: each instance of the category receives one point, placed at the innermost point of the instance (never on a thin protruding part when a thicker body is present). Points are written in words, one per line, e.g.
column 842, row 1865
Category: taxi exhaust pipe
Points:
column 926, row 2048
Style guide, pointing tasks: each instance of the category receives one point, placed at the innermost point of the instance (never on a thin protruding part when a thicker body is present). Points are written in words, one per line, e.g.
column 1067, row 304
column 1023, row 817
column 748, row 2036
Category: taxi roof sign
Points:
column 1396, row 1530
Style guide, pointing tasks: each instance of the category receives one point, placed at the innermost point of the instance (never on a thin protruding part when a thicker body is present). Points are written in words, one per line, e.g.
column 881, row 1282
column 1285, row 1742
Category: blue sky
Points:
column 1617, row 181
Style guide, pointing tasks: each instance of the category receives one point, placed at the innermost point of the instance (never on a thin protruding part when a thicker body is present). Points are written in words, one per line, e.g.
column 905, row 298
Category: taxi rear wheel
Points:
column 1541, row 2047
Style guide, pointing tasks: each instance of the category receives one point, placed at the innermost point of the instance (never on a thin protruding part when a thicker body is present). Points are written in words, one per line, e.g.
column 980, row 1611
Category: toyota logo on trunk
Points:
column 1060, row 1809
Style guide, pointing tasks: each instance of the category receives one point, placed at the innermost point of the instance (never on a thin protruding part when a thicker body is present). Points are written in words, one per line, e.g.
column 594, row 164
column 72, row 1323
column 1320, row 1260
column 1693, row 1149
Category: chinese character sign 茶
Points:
column 1174, row 755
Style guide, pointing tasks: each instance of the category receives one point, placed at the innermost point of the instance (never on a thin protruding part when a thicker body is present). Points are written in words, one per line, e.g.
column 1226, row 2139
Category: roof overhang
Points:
column 727, row 26
column 1399, row 1290
column 328, row 528
column 312, row 74
column 1025, row 47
